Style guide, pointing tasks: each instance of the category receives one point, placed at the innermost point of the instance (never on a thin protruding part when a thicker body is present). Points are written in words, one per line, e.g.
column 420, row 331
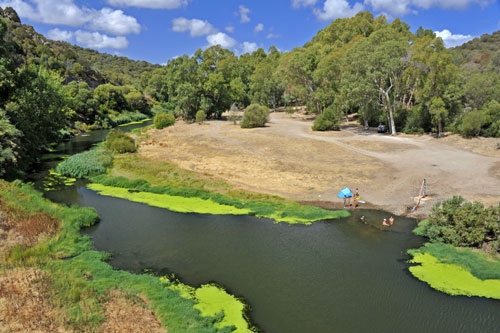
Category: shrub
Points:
column 128, row 117
column 119, row 142
column 461, row 223
column 255, row 115
column 201, row 116
column 472, row 123
column 329, row 120
column 163, row 120
column 92, row 162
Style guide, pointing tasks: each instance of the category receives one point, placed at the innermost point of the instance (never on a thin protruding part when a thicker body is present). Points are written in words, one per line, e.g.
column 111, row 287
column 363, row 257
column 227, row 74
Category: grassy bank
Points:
column 143, row 176
column 204, row 202
column 79, row 279
column 457, row 271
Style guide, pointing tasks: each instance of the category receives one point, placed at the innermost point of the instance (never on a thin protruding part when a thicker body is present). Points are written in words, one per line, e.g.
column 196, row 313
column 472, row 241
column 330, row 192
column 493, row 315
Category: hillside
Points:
column 480, row 54
column 73, row 63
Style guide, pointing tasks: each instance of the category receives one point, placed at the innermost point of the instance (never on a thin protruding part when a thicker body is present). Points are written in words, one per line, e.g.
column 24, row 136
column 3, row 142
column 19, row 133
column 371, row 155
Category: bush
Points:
column 255, row 115
column 201, row 116
column 163, row 120
column 92, row 162
column 119, row 142
column 472, row 123
column 461, row 223
column 329, row 120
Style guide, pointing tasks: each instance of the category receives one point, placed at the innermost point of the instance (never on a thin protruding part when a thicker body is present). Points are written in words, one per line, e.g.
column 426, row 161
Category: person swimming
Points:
column 385, row 223
column 362, row 218
column 391, row 220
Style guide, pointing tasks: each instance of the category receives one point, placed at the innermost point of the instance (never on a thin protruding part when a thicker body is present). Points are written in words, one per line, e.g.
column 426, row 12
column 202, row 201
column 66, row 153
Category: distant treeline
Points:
column 382, row 71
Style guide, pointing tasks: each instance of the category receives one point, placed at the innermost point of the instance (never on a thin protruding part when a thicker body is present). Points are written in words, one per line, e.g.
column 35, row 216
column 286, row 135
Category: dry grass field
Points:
column 286, row 158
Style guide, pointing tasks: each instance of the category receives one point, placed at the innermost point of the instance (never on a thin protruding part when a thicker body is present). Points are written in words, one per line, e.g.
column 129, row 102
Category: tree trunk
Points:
column 440, row 128
column 391, row 115
column 365, row 120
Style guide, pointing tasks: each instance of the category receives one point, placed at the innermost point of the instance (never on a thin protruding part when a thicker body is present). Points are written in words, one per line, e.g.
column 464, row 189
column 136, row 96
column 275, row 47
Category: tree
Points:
column 439, row 113
column 9, row 137
column 329, row 120
column 38, row 108
column 379, row 60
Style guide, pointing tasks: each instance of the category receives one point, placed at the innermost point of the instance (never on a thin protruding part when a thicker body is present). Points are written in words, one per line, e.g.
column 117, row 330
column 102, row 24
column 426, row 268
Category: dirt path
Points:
column 288, row 159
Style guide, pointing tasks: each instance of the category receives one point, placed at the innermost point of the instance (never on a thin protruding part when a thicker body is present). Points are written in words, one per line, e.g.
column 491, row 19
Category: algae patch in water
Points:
column 174, row 203
column 201, row 202
column 452, row 279
column 55, row 180
column 211, row 300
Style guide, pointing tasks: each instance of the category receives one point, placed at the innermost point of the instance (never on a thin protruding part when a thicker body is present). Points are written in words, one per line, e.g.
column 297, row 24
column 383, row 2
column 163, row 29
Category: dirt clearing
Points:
column 288, row 159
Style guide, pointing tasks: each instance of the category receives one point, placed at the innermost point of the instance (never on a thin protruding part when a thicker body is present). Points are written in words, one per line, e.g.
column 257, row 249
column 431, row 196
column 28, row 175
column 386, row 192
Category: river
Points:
column 340, row 275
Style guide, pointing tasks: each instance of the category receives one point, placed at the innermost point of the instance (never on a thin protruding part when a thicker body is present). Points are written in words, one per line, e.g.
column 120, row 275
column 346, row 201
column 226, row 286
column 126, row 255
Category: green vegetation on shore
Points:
column 204, row 202
column 449, row 263
column 457, row 271
column 80, row 278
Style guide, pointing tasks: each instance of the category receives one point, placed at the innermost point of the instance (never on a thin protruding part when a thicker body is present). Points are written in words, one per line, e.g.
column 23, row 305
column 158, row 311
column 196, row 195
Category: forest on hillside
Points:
column 382, row 71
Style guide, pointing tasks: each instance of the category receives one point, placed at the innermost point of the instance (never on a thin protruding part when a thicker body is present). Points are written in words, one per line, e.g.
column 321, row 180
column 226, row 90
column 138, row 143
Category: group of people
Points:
column 355, row 198
column 384, row 222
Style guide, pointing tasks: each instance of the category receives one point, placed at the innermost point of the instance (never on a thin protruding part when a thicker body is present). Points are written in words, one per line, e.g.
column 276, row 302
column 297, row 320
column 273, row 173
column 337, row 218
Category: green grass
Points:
column 92, row 162
column 79, row 285
column 142, row 191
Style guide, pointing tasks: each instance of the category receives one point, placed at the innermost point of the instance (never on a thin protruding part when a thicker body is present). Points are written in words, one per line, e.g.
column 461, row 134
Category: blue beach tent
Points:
column 346, row 191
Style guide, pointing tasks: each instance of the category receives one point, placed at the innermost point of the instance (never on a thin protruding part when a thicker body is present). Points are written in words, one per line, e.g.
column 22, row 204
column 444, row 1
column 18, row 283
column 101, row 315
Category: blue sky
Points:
column 158, row 30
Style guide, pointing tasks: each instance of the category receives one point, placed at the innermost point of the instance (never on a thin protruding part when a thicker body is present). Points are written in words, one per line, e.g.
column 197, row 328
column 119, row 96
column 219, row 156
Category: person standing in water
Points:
column 391, row 220
column 385, row 223
column 345, row 201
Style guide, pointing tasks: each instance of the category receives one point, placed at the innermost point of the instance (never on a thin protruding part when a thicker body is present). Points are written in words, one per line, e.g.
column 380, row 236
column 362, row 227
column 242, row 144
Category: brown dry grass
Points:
column 24, row 303
column 128, row 314
column 18, row 228
column 259, row 159
column 483, row 146
column 288, row 159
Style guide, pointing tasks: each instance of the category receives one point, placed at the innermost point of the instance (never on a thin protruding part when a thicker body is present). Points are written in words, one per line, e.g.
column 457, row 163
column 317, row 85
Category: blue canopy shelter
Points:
column 345, row 192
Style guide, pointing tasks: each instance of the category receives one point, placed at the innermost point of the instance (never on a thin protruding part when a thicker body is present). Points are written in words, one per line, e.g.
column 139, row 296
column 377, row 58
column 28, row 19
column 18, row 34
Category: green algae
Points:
column 203, row 202
column 55, row 180
column 174, row 203
column 211, row 300
column 452, row 279
column 135, row 122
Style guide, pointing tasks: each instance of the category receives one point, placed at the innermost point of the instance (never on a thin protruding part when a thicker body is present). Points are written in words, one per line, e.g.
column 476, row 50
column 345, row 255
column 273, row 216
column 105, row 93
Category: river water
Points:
column 332, row 276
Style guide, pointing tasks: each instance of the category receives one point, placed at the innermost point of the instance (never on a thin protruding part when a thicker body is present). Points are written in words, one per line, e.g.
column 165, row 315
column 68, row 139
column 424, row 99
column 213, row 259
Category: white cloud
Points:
column 154, row 4
column 403, row 7
column 66, row 12
column 244, row 11
column 62, row 35
column 399, row 7
column 221, row 39
column 196, row 27
column 114, row 22
column 334, row 9
column 271, row 36
column 259, row 27
column 451, row 40
column 303, row 3
column 229, row 29
column 249, row 47
column 100, row 41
